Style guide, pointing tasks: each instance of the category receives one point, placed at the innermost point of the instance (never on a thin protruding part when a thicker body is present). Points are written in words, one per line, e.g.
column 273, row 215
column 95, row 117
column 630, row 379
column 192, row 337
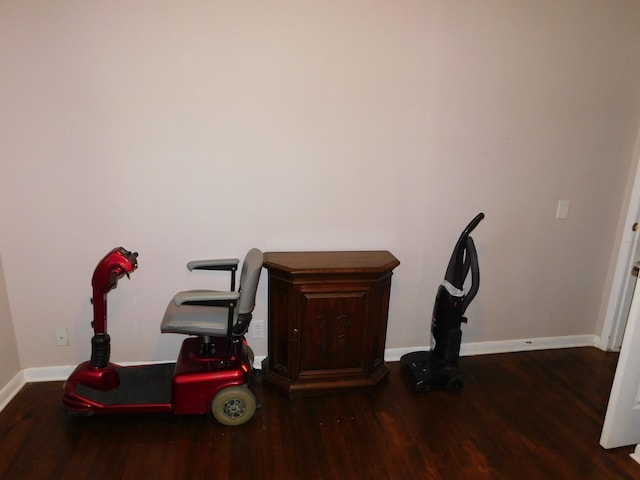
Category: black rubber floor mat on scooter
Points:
column 148, row 384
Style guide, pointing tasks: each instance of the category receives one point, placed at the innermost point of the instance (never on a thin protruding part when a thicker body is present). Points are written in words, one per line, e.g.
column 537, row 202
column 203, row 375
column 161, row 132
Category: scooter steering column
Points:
column 115, row 265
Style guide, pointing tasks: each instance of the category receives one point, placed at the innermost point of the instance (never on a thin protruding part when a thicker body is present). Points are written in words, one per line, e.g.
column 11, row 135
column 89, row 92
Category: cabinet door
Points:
column 333, row 331
column 281, row 352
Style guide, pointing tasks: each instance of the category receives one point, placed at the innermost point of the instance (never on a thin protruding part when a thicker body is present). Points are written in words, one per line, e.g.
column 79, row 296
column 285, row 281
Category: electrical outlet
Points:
column 62, row 337
column 257, row 329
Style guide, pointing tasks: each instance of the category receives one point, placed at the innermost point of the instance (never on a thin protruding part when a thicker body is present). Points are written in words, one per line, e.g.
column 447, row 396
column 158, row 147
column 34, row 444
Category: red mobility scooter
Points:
column 213, row 369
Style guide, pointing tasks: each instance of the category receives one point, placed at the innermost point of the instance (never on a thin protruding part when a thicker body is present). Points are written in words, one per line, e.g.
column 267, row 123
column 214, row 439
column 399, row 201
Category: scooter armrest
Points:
column 216, row 264
column 205, row 298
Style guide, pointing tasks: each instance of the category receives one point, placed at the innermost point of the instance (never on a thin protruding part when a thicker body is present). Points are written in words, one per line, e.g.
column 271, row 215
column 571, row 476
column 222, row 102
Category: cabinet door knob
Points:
column 295, row 332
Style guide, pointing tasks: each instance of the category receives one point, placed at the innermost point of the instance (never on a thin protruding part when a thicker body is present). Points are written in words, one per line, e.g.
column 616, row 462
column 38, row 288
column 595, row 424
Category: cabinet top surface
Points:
column 341, row 261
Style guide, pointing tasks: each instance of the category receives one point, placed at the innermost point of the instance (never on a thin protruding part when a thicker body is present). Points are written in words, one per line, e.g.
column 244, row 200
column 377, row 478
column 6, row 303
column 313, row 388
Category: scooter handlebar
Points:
column 115, row 265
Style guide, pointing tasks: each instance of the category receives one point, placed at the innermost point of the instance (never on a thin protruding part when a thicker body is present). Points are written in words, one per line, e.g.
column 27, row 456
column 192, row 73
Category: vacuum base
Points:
column 424, row 377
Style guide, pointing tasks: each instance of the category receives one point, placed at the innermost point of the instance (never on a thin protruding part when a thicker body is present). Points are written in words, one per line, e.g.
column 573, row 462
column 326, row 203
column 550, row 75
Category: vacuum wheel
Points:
column 234, row 406
column 455, row 383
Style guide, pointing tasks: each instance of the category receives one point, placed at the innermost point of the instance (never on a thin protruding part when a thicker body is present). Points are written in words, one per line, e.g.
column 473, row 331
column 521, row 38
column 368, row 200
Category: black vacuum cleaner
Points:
column 438, row 368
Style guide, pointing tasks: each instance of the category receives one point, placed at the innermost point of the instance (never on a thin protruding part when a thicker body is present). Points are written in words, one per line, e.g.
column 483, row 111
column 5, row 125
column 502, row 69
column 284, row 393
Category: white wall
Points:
column 201, row 128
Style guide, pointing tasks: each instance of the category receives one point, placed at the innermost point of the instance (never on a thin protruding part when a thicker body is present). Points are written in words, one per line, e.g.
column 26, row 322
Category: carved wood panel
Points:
column 332, row 330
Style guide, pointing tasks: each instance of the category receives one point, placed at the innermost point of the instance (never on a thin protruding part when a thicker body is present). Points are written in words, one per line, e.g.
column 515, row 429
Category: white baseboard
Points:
column 11, row 389
column 528, row 344
column 507, row 346
column 49, row 374
column 636, row 454
column 394, row 354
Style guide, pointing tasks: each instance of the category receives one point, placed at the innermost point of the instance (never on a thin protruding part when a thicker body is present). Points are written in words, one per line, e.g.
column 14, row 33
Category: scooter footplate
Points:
column 148, row 384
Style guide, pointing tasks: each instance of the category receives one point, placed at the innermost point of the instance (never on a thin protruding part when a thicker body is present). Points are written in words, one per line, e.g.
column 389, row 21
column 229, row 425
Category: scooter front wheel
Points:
column 234, row 406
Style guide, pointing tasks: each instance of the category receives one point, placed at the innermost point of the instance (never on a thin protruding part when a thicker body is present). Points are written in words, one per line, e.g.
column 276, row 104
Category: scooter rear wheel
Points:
column 234, row 406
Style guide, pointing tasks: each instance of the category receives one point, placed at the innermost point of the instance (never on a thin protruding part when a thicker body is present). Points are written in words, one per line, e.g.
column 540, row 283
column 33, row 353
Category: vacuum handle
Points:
column 472, row 256
column 458, row 264
column 472, row 225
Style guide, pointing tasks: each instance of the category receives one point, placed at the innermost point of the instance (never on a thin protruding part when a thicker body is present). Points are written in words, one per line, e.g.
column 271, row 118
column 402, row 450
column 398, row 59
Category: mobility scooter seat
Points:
column 181, row 316
column 211, row 313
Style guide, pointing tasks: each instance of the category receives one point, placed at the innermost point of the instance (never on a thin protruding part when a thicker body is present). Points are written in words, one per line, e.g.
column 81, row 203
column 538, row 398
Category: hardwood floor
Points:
column 530, row 415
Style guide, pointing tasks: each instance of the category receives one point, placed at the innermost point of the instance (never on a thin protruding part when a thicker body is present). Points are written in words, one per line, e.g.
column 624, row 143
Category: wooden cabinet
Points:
column 327, row 319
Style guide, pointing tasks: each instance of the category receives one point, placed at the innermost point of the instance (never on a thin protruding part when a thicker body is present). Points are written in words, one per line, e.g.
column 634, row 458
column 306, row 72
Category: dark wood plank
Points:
column 534, row 415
